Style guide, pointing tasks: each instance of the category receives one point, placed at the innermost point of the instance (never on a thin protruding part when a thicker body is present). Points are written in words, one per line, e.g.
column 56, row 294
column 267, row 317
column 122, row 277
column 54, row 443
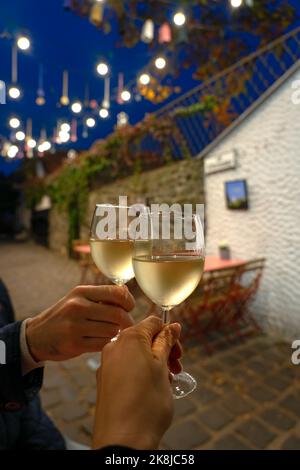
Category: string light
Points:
column 103, row 113
column 14, row 123
column 23, row 43
column 20, row 135
column 90, row 122
column 126, row 95
column 102, row 69
column 236, row 3
column 160, row 63
column 65, row 127
column 144, row 79
column 31, row 143
column 14, row 92
column 12, row 151
column 76, row 107
column 63, row 137
column 46, row 145
column 179, row 18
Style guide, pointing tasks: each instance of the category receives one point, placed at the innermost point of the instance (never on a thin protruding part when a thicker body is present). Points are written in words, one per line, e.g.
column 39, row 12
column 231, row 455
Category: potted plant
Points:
column 224, row 250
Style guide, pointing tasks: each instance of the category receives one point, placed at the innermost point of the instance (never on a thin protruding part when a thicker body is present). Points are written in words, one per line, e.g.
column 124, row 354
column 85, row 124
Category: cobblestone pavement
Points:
column 248, row 395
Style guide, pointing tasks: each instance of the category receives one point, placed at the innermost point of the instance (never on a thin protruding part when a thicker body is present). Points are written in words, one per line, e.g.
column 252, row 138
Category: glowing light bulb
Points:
column 65, row 127
column 236, row 3
column 144, row 79
column 90, row 122
column 20, row 135
column 12, row 151
column 179, row 18
column 103, row 113
column 46, row 145
column 160, row 63
column 41, row 148
column 63, row 137
column 126, row 95
column 31, row 143
column 102, row 68
column 14, row 92
column 23, row 43
column 14, row 123
column 76, row 107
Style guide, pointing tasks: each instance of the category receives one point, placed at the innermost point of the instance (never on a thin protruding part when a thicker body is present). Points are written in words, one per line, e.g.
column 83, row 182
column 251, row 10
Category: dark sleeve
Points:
column 15, row 390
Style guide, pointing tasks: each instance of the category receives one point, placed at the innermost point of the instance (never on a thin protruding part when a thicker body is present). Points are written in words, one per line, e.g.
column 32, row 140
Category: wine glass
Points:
column 112, row 245
column 169, row 268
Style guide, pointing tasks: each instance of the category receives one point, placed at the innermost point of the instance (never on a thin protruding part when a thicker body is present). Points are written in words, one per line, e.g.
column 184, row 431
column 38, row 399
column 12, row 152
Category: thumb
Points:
column 165, row 341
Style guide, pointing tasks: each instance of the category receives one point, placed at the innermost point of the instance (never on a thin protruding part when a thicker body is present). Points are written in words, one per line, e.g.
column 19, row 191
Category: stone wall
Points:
column 180, row 182
column 267, row 145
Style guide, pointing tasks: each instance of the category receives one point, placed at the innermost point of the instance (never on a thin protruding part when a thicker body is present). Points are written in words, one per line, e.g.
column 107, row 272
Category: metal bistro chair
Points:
column 244, row 291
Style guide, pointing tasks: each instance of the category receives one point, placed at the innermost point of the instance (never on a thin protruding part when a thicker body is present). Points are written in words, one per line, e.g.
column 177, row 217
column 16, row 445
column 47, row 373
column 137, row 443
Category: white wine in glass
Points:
column 169, row 268
column 114, row 259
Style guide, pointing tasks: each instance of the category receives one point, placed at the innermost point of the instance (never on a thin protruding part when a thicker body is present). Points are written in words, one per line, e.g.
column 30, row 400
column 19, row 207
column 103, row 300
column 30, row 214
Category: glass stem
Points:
column 165, row 314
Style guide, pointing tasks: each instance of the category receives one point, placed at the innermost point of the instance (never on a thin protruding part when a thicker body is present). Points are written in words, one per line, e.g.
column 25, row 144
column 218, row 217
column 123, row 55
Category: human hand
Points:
column 83, row 321
column 134, row 398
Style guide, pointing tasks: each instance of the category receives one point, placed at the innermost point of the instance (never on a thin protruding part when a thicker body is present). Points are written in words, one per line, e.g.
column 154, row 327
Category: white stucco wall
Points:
column 268, row 147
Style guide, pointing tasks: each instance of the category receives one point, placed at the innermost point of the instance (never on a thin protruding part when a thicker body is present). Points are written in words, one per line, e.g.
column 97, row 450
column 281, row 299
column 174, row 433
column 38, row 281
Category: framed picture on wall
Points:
column 236, row 194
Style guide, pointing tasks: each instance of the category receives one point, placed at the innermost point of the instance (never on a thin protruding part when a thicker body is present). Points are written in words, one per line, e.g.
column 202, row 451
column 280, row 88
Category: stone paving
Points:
column 248, row 394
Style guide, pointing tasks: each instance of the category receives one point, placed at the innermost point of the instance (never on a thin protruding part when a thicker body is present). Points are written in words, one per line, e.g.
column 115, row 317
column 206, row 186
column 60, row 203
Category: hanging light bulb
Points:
column 65, row 127
column 46, row 146
column 144, row 79
column 90, row 122
column 20, row 135
column 14, row 123
column 102, row 69
column 126, row 95
column 23, row 43
column 179, row 18
column 76, row 107
column 41, row 148
column 236, row 3
column 31, row 143
column 160, row 63
column 147, row 34
column 103, row 113
column 12, row 151
column 14, row 92
column 63, row 137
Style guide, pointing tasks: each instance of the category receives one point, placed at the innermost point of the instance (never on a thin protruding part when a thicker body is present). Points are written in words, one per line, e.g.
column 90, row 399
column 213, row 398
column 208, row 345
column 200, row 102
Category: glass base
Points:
column 182, row 385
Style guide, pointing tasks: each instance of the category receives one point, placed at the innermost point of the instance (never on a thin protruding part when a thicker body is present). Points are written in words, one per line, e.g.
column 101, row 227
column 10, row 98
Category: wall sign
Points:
column 225, row 161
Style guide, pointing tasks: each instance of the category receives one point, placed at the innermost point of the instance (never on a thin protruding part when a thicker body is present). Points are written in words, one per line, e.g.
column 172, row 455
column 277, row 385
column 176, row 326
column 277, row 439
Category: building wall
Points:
column 268, row 148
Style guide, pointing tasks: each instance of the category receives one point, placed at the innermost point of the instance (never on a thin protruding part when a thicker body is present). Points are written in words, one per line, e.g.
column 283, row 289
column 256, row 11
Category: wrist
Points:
column 33, row 345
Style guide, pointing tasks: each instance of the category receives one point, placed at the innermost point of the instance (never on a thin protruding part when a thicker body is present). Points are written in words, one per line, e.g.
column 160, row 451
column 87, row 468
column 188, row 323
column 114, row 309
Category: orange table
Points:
column 213, row 263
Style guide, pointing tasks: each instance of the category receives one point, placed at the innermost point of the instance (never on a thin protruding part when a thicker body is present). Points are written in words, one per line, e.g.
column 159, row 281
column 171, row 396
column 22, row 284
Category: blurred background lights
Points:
column 20, row 135
column 160, row 63
column 144, row 79
column 179, row 18
column 31, row 143
column 103, row 113
column 14, row 123
column 90, row 122
column 102, row 68
column 14, row 92
column 76, row 107
column 12, row 151
column 65, row 127
column 126, row 95
column 23, row 43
